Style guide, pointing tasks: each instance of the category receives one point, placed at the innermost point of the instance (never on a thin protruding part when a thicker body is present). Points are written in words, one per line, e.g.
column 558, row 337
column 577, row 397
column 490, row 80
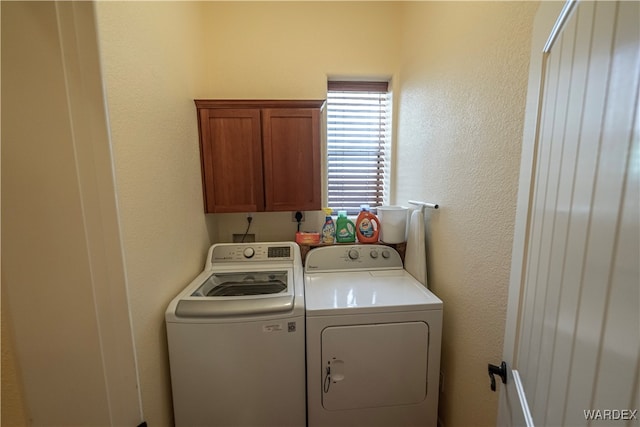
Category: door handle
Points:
column 327, row 379
column 333, row 373
column 501, row 371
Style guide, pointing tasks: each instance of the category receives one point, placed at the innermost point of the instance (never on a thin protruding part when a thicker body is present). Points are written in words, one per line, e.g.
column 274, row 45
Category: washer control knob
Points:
column 353, row 254
column 249, row 252
column 374, row 254
column 386, row 254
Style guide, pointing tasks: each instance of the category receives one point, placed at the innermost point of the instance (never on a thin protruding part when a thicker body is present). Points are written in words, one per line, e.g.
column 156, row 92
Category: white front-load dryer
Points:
column 236, row 339
column 373, row 340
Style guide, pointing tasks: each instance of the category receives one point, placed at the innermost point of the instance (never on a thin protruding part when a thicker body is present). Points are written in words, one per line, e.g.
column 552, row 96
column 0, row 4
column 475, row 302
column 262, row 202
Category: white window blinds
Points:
column 358, row 129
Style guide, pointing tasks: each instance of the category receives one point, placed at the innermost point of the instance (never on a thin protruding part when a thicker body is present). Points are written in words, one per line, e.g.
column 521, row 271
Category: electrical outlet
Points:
column 293, row 216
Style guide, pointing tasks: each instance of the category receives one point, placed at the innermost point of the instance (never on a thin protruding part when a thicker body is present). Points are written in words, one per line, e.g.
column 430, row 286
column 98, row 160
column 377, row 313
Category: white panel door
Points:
column 371, row 366
column 573, row 327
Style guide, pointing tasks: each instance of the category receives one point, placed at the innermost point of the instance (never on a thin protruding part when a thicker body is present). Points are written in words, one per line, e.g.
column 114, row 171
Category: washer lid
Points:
column 212, row 308
column 245, row 283
column 366, row 292
column 233, row 293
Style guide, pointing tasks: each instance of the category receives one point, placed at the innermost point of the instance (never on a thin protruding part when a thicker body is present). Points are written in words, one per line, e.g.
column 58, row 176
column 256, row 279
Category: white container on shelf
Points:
column 393, row 223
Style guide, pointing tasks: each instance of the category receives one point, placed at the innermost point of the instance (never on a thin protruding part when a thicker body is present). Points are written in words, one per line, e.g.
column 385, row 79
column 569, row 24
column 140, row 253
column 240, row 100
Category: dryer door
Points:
column 368, row 366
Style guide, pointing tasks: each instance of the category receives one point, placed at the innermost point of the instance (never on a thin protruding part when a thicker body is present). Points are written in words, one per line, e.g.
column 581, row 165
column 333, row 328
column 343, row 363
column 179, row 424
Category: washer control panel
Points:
column 352, row 257
column 250, row 252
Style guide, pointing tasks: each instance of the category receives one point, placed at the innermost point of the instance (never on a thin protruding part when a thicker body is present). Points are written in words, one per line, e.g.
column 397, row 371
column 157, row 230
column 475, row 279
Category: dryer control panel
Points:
column 353, row 257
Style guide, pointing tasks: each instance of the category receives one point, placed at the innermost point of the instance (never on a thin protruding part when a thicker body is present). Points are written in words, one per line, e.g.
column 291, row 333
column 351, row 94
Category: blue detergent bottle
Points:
column 329, row 228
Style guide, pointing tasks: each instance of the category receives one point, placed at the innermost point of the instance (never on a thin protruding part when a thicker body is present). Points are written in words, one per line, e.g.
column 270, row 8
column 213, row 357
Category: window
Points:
column 358, row 129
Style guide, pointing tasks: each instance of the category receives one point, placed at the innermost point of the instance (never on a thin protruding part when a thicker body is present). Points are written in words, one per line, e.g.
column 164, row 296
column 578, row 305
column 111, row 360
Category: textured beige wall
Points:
column 63, row 287
column 13, row 411
column 287, row 50
column 41, row 208
column 463, row 70
column 462, row 96
column 152, row 58
column 463, row 66
column 158, row 57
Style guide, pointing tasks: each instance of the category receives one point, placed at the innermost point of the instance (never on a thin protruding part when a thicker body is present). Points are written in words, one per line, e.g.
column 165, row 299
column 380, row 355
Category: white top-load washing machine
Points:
column 236, row 339
column 373, row 340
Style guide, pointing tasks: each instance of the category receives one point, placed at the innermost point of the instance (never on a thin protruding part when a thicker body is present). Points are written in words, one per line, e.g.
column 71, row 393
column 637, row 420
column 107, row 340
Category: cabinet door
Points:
column 291, row 143
column 231, row 152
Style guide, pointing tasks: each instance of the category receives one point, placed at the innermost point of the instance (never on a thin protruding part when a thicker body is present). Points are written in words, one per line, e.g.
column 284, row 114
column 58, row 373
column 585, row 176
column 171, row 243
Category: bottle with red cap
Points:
column 367, row 226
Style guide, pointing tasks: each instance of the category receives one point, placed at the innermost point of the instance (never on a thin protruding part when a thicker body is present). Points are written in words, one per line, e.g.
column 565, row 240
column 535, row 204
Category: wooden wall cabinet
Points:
column 259, row 155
